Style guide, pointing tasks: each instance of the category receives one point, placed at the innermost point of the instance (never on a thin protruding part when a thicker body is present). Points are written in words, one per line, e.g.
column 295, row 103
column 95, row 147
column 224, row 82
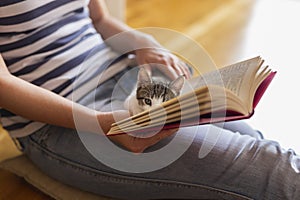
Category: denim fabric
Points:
column 239, row 165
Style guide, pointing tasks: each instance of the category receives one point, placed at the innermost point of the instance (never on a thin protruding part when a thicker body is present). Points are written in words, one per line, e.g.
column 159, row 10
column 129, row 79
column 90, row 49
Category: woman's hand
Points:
column 133, row 144
column 137, row 144
column 165, row 61
column 151, row 54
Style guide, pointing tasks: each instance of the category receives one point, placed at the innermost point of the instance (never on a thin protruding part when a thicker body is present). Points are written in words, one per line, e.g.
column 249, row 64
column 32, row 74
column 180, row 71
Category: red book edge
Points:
column 262, row 88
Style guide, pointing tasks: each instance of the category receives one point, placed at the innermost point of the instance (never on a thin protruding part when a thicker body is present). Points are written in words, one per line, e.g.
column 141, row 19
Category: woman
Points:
column 49, row 49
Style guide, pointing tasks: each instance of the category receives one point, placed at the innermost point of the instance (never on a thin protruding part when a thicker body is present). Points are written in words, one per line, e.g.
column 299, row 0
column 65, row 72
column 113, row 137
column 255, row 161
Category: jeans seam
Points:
column 117, row 178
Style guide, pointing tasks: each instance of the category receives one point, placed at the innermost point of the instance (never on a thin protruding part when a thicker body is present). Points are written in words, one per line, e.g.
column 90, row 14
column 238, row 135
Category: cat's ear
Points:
column 143, row 77
column 177, row 85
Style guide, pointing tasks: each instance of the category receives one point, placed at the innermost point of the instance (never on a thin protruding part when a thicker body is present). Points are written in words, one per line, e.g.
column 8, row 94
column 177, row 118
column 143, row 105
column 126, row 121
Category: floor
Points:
column 15, row 188
column 226, row 31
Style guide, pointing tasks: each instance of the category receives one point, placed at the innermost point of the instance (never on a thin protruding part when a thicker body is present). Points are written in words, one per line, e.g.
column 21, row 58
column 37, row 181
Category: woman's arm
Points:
column 104, row 23
column 108, row 26
column 38, row 104
column 147, row 50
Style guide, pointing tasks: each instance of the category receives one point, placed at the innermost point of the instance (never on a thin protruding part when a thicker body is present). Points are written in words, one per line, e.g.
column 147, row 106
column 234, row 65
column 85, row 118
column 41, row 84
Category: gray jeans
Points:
column 224, row 161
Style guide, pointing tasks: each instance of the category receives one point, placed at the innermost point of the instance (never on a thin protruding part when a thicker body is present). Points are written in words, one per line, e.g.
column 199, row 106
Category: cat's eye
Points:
column 147, row 101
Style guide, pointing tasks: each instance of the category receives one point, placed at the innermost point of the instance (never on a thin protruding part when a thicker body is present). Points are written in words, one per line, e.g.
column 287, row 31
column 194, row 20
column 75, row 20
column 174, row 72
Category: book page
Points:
column 237, row 78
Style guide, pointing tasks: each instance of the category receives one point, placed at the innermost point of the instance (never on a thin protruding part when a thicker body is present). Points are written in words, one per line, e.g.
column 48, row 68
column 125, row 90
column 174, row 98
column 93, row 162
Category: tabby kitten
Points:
column 150, row 92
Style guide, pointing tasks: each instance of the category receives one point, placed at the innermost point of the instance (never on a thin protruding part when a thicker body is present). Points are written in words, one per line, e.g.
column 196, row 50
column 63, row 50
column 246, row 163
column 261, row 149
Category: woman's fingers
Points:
column 144, row 143
column 165, row 61
column 186, row 70
column 169, row 71
column 161, row 135
column 181, row 69
column 139, row 144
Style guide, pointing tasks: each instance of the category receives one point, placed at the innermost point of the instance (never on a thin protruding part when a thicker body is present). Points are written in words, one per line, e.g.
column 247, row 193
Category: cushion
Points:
column 43, row 182
column 8, row 148
column 11, row 159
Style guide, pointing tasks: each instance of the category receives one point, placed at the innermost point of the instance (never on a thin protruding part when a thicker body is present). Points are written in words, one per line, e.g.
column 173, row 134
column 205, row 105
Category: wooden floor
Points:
column 15, row 188
column 220, row 26
column 217, row 25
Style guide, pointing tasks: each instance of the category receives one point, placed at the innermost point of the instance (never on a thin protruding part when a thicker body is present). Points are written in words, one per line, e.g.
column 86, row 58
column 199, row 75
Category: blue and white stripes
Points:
column 52, row 44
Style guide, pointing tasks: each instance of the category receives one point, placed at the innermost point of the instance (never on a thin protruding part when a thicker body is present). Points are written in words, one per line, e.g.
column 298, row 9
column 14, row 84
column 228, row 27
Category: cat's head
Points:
column 151, row 92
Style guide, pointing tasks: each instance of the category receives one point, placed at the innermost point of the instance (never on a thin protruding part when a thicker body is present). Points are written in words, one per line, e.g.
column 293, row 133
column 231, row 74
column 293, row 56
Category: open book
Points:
column 225, row 94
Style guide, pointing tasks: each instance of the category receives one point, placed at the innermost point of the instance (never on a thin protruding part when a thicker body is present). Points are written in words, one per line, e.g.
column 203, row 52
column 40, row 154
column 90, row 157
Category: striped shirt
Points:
column 52, row 44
